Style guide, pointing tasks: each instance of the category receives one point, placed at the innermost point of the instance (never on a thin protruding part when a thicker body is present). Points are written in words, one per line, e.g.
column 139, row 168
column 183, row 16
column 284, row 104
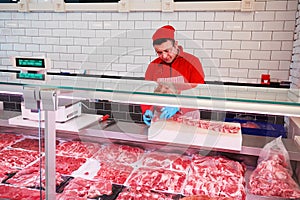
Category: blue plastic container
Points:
column 260, row 128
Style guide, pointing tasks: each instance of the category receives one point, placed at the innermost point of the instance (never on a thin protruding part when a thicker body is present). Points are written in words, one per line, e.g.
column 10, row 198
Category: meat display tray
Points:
column 169, row 149
column 251, row 127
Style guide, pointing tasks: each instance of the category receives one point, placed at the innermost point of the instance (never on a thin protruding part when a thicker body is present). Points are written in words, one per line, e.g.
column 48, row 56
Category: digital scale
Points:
column 35, row 68
column 68, row 114
column 67, row 109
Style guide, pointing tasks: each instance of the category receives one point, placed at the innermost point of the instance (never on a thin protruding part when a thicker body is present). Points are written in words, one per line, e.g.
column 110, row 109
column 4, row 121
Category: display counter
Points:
column 125, row 133
column 221, row 98
column 137, row 133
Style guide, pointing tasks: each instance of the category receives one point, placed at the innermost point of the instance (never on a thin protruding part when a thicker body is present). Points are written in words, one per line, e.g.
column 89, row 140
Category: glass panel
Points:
column 203, row 91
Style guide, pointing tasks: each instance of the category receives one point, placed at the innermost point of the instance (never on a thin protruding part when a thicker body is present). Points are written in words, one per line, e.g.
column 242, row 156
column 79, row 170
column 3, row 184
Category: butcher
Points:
column 175, row 66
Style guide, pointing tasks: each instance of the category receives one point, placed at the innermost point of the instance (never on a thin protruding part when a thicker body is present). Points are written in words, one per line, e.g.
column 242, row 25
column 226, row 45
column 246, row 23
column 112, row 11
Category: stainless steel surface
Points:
column 5, row 115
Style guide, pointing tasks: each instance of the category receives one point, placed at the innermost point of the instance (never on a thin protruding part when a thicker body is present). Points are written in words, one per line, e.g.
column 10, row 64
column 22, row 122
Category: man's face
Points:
column 167, row 51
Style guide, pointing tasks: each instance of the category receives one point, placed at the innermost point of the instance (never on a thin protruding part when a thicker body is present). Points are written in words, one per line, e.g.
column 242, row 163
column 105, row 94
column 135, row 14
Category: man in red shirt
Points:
column 172, row 65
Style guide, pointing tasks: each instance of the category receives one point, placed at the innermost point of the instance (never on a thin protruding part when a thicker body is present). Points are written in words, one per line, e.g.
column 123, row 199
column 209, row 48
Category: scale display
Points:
column 31, row 68
column 30, row 62
column 31, row 76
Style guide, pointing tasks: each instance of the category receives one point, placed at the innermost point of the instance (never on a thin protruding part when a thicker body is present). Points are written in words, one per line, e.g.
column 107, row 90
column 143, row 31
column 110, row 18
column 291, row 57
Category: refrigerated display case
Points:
column 133, row 137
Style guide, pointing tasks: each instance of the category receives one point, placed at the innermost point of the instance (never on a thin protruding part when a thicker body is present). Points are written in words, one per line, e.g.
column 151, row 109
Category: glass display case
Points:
column 46, row 99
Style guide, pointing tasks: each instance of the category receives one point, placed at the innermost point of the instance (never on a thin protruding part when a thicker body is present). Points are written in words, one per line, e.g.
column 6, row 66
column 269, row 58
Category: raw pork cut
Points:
column 157, row 179
column 115, row 172
column 65, row 165
column 77, row 149
column 143, row 193
column 205, row 197
column 79, row 187
column 17, row 158
column 166, row 160
column 7, row 139
column 119, row 153
column 249, row 125
column 272, row 178
column 20, row 193
column 30, row 177
column 31, row 144
column 6, row 171
column 68, row 197
column 216, row 177
column 218, row 126
column 219, row 135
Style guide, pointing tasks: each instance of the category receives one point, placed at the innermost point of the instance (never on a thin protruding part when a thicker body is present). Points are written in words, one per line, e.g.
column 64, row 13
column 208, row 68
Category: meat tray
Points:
column 251, row 127
column 166, row 149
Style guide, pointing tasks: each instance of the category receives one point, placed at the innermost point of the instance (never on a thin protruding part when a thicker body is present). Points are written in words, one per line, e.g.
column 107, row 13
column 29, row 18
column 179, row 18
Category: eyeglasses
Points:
column 168, row 50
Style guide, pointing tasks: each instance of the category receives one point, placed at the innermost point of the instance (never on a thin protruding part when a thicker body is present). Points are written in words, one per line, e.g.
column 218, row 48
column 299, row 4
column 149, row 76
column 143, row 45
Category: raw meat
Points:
column 216, row 177
column 166, row 160
column 7, row 139
column 115, row 172
column 205, row 197
column 272, row 178
column 143, row 193
column 69, row 197
column 30, row 177
column 77, row 149
column 17, row 158
column 157, row 179
column 6, row 171
column 249, row 125
column 222, row 127
column 18, row 193
column 170, row 131
column 119, row 153
column 65, row 165
column 31, row 144
column 79, row 187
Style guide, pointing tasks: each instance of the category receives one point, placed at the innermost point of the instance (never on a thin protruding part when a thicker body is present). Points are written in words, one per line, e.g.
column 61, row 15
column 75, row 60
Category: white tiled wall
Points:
column 295, row 66
column 233, row 46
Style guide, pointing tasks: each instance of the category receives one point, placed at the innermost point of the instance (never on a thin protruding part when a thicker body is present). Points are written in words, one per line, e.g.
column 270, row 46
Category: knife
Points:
column 101, row 119
column 109, row 123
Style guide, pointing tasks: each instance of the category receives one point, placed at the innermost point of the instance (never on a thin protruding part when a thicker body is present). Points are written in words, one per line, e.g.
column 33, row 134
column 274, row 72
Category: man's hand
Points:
column 147, row 117
column 168, row 112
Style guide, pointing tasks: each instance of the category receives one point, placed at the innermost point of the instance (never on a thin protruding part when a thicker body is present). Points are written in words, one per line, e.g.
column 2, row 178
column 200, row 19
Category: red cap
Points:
column 164, row 32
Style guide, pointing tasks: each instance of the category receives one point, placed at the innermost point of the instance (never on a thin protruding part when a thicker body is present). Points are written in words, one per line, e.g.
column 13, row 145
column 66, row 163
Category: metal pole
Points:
column 49, row 105
column 50, row 162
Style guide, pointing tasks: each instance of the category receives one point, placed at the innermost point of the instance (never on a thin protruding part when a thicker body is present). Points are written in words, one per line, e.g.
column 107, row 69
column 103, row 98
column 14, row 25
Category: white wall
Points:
column 295, row 66
column 233, row 46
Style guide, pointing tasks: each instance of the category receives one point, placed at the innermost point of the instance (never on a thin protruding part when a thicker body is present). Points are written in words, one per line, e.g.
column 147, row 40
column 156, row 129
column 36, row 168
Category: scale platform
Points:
column 74, row 125
column 67, row 109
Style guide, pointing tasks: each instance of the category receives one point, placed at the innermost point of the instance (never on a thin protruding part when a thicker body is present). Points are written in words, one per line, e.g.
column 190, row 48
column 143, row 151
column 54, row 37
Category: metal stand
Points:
column 50, row 161
column 46, row 100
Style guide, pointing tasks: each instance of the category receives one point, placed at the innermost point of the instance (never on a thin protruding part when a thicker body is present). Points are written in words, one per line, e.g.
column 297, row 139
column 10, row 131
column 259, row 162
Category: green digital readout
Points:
column 30, row 62
column 31, row 76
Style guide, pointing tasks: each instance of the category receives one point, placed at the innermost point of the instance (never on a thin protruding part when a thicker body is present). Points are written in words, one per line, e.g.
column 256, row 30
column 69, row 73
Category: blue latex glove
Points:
column 168, row 112
column 147, row 117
